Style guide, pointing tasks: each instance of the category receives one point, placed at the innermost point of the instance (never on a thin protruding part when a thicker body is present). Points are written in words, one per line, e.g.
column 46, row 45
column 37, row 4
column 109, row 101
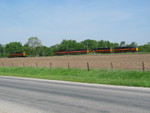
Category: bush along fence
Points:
column 87, row 65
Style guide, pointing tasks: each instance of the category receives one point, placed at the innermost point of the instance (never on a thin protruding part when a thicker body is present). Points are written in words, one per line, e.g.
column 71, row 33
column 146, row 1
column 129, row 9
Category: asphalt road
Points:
column 20, row 95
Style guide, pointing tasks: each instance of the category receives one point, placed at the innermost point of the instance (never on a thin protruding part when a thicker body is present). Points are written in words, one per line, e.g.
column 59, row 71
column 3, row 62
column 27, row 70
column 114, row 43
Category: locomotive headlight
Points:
column 137, row 49
column 111, row 50
column 24, row 54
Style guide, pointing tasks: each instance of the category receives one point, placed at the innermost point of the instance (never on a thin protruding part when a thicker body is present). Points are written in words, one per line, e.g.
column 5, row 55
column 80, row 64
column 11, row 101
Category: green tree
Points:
column 101, row 44
column 105, row 44
column 43, row 51
column 33, row 46
column 79, row 46
column 115, row 45
column 53, row 49
column 68, row 45
column 122, row 44
column 34, row 42
column 108, row 44
column 2, row 50
column 13, row 47
column 133, row 44
column 90, row 44
column 144, row 48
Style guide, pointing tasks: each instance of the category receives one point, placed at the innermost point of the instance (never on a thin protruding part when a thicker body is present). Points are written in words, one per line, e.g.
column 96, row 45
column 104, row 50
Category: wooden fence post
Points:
column 50, row 65
column 143, row 66
column 36, row 64
column 111, row 65
column 68, row 65
column 88, row 67
column 12, row 64
column 2, row 64
column 23, row 64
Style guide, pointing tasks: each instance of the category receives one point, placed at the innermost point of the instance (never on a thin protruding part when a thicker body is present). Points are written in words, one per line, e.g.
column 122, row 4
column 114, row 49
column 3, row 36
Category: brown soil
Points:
column 115, row 61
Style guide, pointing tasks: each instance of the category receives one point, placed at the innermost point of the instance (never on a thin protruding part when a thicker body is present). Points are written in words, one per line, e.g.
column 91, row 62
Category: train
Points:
column 83, row 51
column 17, row 54
column 97, row 50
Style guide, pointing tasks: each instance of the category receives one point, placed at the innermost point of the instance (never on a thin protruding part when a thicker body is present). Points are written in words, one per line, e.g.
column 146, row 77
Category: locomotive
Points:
column 102, row 50
column 125, row 49
column 72, row 52
column 17, row 54
column 97, row 50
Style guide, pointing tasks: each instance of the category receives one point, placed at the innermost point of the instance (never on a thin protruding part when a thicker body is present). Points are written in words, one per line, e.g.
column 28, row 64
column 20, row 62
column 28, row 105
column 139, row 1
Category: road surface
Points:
column 22, row 95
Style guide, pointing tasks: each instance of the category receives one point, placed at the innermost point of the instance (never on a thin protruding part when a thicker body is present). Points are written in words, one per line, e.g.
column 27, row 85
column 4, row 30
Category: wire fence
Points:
column 128, row 62
column 142, row 66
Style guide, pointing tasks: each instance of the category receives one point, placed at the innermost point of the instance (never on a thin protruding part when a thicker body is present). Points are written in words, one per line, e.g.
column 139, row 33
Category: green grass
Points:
column 143, row 52
column 112, row 77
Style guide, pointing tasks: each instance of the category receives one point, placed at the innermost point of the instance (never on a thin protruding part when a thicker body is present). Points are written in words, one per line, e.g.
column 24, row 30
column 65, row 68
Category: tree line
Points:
column 33, row 47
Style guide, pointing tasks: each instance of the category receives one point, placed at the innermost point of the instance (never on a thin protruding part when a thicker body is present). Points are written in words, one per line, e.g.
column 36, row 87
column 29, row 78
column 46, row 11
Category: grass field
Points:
column 112, row 77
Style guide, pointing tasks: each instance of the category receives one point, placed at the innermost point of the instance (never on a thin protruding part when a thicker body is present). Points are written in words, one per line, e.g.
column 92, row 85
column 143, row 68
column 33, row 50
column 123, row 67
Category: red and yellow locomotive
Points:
column 17, row 54
column 125, row 49
column 72, row 52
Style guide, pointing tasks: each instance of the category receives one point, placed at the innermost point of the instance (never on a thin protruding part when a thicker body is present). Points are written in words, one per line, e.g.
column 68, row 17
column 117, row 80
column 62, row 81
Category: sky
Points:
column 55, row 20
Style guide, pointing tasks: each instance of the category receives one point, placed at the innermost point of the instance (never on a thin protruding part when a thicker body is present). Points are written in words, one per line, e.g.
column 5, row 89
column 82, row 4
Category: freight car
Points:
column 72, row 52
column 17, row 54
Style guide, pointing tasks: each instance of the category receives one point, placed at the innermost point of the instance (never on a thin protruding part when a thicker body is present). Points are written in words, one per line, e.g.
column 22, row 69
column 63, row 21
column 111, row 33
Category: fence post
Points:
column 143, row 66
column 23, row 64
column 88, row 67
column 68, row 65
column 2, row 64
column 111, row 65
column 36, row 64
column 12, row 64
column 50, row 65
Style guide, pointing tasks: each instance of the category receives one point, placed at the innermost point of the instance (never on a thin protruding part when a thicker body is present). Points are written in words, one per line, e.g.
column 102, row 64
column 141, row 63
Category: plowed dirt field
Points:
column 106, row 61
